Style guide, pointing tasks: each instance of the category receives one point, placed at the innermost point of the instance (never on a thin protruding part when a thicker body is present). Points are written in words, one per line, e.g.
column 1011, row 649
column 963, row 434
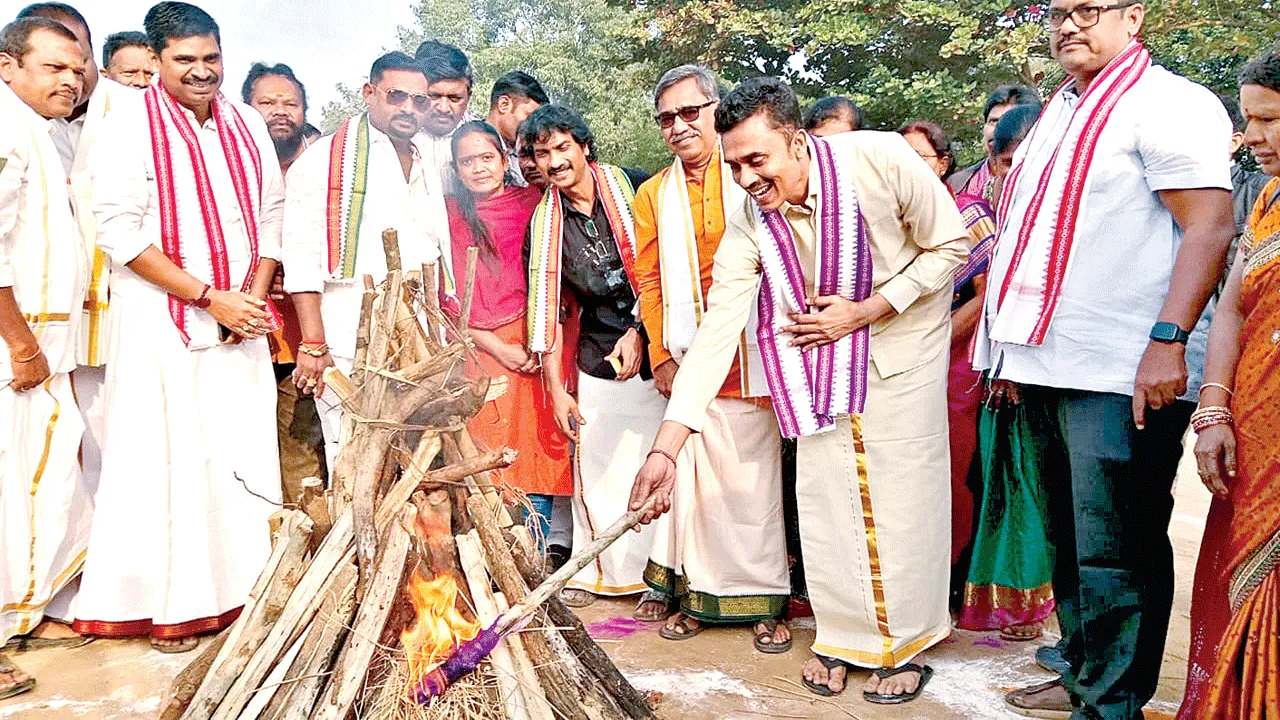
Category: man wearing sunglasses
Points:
column 1116, row 220
column 721, row 556
column 383, row 182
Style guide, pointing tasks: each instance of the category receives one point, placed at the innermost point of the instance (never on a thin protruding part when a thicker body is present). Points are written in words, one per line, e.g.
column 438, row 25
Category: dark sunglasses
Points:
column 398, row 97
column 687, row 114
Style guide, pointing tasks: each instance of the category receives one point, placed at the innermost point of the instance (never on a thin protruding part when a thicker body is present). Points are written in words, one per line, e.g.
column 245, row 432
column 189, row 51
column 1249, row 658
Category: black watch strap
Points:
column 1167, row 332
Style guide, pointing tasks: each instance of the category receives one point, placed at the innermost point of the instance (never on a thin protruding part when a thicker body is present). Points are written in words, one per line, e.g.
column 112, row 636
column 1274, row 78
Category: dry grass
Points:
column 474, row 697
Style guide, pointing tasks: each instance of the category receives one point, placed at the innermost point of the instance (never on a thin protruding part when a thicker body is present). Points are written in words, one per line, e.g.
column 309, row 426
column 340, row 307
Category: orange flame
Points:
column 439, row 628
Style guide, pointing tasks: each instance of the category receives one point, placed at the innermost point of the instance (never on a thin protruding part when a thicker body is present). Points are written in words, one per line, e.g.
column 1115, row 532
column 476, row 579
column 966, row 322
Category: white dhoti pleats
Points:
column 622, row 420
column 189, row 475
column 874, row 502
column 90, row 386
column 722, row 549
column 44, row 510
column 329, row 407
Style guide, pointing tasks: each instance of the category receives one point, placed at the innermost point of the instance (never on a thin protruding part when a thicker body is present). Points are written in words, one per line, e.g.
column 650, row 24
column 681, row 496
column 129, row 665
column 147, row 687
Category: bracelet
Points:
column 203, row 301
column 1220, row 386
column 664, row 454
column 313, row 349
column 1206, row 417
column 28, row 358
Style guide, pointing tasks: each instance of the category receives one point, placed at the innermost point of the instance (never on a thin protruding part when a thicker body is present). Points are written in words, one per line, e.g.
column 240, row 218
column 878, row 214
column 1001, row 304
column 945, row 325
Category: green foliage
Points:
column 898, row 59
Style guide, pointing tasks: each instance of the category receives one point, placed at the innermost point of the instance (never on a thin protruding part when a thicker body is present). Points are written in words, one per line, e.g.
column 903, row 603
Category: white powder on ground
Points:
column 975, row 687
column 689, row 684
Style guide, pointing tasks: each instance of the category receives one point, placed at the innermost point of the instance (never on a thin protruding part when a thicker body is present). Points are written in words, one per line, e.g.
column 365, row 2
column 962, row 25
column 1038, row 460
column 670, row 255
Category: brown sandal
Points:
column 686, row 630
column 764, row 639
column 18, row 687
column 186, row 644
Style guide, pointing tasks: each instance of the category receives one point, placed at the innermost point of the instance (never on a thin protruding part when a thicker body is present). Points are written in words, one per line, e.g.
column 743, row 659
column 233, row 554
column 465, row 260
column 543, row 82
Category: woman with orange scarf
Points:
column 492, row 215
column 1235, row 608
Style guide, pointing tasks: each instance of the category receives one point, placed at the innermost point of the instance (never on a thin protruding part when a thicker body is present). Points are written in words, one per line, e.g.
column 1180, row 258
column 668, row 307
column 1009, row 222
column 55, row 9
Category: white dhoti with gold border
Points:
column 44, row 511
column 622, row 420
column 874, row 502
column 722, row 549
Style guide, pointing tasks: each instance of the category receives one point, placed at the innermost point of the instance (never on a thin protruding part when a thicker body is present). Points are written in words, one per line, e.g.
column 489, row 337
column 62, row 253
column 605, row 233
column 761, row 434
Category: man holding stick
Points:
column 851, row 243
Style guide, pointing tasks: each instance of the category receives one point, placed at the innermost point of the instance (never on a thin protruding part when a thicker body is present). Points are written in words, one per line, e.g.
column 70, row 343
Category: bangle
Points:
column 28, row 358
column 664, row 454
column 316, row 350
column 1206, row 417
column 203, row 301
column 1220, row 386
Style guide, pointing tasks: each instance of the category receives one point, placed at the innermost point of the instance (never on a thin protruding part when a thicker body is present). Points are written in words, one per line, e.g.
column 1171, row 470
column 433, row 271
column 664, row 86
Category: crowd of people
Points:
column 985, row 374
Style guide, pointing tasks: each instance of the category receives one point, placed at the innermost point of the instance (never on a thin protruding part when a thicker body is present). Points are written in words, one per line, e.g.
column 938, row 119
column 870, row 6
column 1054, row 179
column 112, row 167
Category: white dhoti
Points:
column 90, row 387
column 722, row 549
column 329, row 407
column 622, row 420
column 44, row 511
column 189, row 475
column 874, row 502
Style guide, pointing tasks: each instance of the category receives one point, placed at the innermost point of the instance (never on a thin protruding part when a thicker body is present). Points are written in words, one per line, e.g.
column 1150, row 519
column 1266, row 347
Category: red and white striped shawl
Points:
column 195, row 242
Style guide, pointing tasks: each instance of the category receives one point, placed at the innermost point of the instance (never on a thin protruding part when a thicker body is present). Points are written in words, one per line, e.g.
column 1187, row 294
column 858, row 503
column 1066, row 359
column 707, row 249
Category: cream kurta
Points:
column 44, row 513
column 414, row 208
column 873, row 492
column 190, row 466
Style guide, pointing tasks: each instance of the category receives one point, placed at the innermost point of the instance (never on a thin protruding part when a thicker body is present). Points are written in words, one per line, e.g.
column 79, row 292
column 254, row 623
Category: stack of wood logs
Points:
column 331, row 596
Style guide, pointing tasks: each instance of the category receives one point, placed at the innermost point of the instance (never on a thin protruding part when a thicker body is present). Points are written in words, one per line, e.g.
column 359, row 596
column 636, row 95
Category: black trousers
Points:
column 1109, row 489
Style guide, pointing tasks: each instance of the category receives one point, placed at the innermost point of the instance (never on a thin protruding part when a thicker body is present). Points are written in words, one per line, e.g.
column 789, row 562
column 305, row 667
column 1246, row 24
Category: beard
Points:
column 288, row 145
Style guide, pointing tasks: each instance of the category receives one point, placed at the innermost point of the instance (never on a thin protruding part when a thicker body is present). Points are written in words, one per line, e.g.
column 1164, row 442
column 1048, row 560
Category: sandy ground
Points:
column 716, row 675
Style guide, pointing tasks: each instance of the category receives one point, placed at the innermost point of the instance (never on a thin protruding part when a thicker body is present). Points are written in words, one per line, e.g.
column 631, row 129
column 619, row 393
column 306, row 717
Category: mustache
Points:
column 558, row 168
column 407, row 117
column 200, row 81
column 690, row 133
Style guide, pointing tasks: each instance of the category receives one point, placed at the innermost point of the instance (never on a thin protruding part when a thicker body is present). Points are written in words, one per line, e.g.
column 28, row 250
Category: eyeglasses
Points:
column 1083, row 16
column 398, row 97
column 687, row 114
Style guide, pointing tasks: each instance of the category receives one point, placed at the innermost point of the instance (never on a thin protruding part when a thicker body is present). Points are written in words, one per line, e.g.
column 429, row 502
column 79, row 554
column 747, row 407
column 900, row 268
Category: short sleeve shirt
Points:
column 1166, row 133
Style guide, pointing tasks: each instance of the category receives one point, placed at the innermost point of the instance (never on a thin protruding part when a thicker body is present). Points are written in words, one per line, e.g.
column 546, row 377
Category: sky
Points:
column 325, row 41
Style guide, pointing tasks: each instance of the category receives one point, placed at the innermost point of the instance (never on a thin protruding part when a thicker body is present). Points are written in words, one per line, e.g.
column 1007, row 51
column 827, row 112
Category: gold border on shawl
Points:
column 873, row 547
column 47, row 318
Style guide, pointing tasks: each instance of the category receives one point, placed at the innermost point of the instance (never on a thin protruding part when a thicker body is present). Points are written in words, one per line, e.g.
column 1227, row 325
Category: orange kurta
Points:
column 707, row 206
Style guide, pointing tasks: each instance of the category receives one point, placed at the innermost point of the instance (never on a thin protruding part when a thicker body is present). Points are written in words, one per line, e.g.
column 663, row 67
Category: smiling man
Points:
column 1116, row 220
column 128, row 59
column 383, row 181
column 721, row 555
column 852, row 242
column 582, row 247
column 189, row 201
column 44, row 271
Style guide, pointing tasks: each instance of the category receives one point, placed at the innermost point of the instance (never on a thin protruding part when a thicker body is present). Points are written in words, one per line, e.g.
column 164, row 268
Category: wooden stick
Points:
column 510, row 683
column 434, row 525
column 391, row 248
column 561, row 577
column 561, row 689
column 592, row 656
column 302, row 684
column 284, row 568
column 316, row 506
column 353, row 662
column 362, row 330
column 431, row 302
column 468, row 292
column 188, row 681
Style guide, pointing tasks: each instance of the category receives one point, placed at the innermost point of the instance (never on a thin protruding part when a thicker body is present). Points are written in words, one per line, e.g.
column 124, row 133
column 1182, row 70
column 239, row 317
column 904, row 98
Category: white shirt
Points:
column 126, row 200
column 414, row 208
column 66, row 137
column 1166, row 133
column 42, row 257
column 437, row 153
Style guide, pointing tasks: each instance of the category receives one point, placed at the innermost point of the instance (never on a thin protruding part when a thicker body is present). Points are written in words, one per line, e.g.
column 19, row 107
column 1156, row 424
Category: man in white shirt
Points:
column 385, row 184
column 128, row 59
column 44, row 516
column 450, row 80
column 190, row 473
column 1116, row 217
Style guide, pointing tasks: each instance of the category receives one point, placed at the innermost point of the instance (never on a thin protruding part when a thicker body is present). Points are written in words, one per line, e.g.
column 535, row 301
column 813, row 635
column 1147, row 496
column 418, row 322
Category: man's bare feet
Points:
column 54, row 630
column 904, row 683
column 175, row 645
column 772, row 636
column 13, row 681
column 814, row 671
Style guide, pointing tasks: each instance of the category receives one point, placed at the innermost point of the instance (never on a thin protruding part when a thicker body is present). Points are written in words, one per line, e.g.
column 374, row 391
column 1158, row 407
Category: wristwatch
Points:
column 1167, row 332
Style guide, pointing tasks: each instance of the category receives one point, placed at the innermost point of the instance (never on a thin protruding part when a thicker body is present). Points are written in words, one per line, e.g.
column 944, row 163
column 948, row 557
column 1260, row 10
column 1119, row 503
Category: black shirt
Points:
column 592, row 269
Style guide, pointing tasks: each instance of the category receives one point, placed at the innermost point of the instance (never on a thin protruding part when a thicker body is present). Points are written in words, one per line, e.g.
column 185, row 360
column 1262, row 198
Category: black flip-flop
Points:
column 764, row 640
column 686, row 631
column 830, row 664
column 925, row 671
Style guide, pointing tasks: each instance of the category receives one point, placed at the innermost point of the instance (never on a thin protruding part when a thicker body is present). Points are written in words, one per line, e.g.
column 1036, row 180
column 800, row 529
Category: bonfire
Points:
column 404, row 591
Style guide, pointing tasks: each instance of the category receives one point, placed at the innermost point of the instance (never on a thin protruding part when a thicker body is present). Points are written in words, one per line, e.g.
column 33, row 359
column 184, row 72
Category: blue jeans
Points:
column 541, row 505
column 1109, row 489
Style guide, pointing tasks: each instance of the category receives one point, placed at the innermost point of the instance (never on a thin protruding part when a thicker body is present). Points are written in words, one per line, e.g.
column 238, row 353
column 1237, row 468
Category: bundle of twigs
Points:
column 319, row 635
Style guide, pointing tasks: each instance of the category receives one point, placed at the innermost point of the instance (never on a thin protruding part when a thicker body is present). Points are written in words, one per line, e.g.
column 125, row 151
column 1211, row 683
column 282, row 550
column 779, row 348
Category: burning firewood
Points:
column 379, row 599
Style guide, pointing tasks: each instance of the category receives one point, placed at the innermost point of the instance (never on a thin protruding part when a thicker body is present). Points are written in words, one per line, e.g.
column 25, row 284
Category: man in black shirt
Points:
column 582, row 247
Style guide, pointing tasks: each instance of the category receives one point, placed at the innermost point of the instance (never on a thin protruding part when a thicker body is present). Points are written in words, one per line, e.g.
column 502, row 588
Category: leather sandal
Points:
column 764, row 639
column 830, row 664
column 686, row 630
column 925, row 671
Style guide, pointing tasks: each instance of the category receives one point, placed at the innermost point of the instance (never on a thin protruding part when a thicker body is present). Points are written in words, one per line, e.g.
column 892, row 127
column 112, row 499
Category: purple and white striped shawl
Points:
column 811, row 389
